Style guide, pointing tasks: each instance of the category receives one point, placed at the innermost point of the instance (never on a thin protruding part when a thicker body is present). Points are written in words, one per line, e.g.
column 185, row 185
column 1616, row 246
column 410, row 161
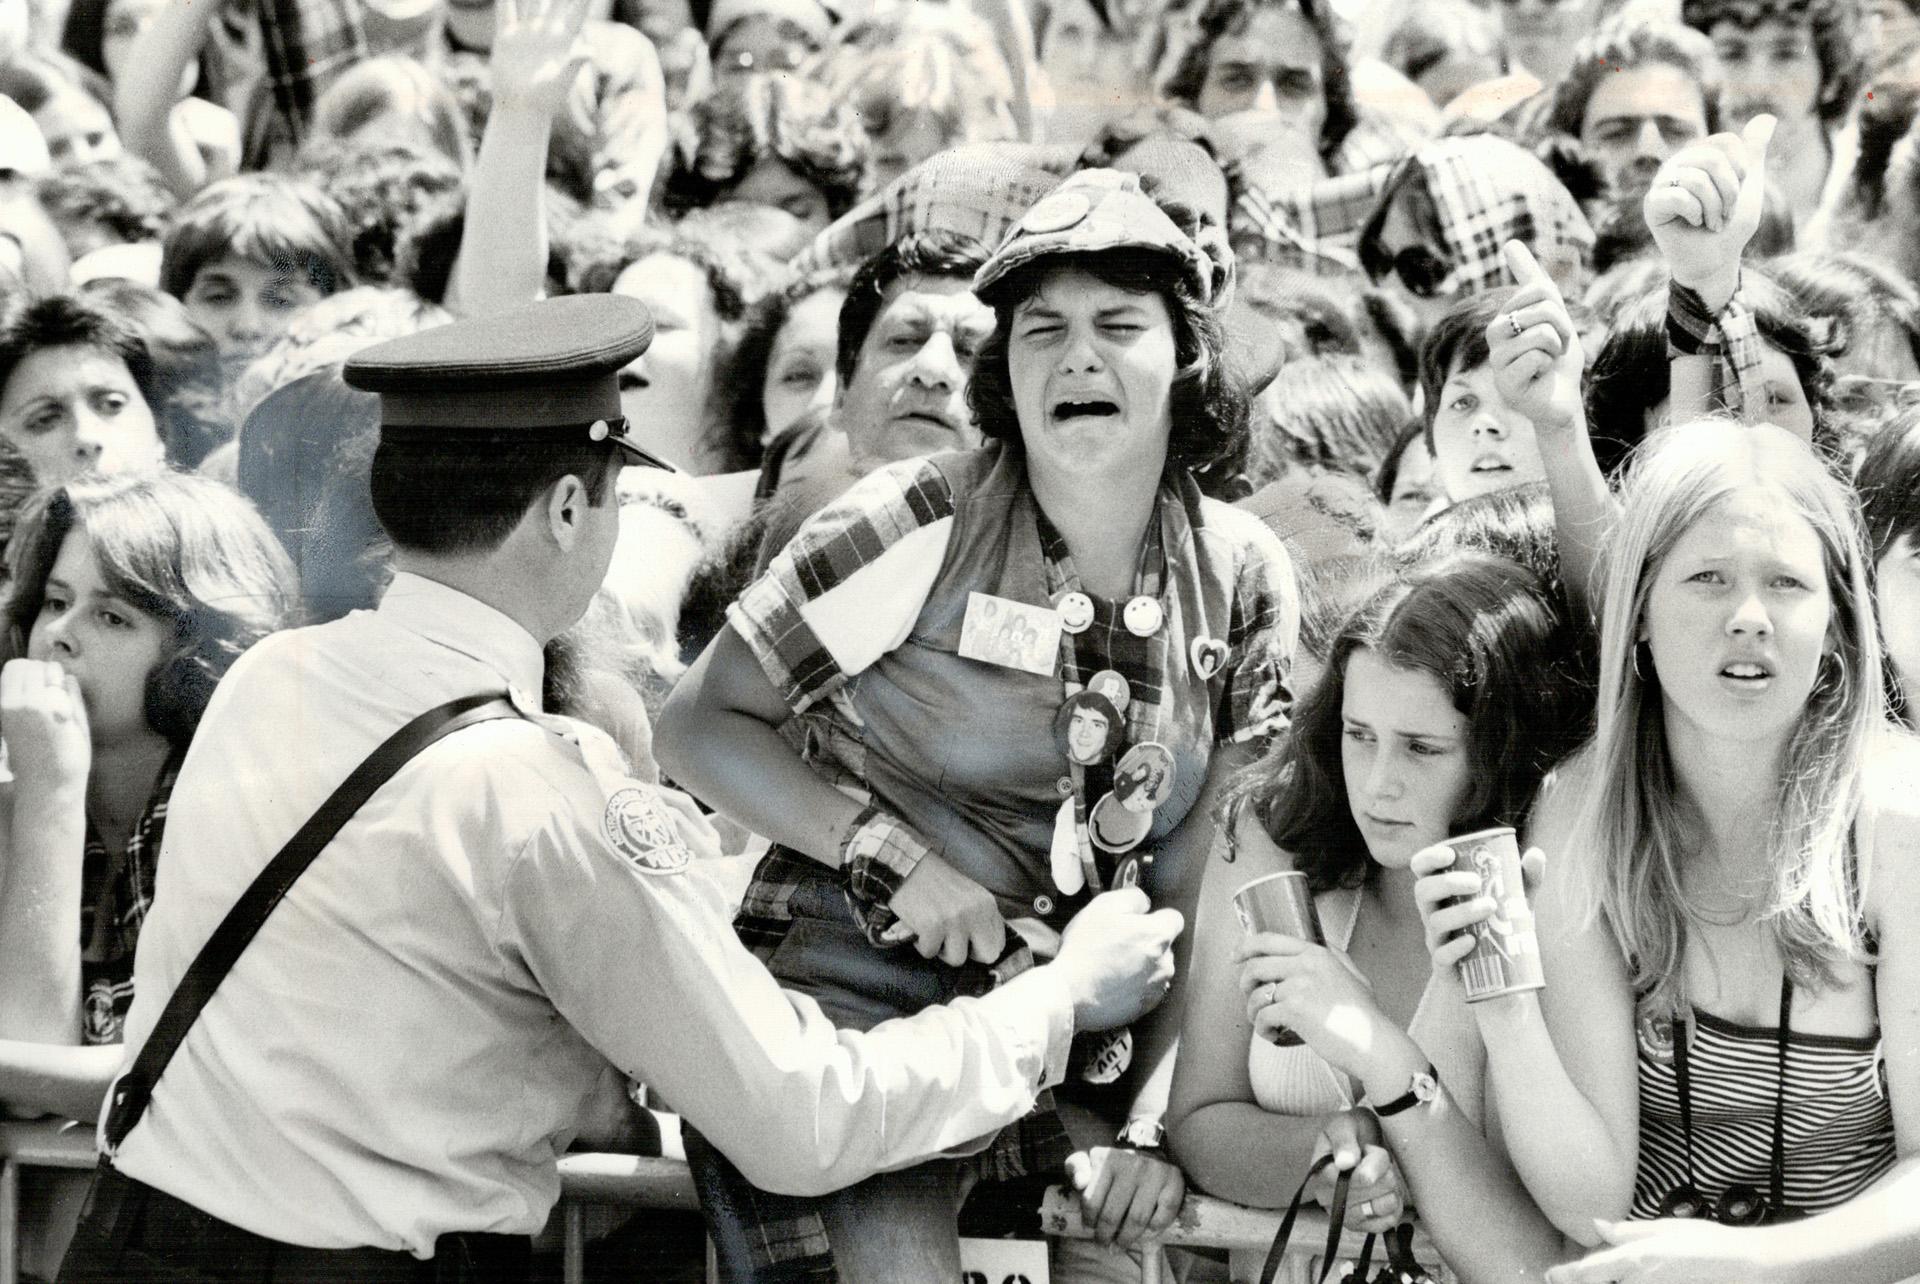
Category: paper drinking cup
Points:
column 1506, row 949
column 1280, row 903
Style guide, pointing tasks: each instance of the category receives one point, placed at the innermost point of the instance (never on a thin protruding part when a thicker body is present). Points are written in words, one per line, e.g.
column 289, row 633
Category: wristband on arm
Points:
column 1730, row 339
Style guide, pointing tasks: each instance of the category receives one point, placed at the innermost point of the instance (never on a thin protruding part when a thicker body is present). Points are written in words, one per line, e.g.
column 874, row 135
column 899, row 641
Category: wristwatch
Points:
column 1423, row 1089
column 1142, row 1134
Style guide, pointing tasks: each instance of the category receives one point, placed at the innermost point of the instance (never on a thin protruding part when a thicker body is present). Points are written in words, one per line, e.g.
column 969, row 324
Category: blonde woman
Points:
column 1729, row 1037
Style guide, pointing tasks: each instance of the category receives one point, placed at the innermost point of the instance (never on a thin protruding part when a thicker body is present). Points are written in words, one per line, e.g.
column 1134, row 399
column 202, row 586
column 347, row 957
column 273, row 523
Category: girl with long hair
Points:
column 1448, row 694
column 1726, row 1035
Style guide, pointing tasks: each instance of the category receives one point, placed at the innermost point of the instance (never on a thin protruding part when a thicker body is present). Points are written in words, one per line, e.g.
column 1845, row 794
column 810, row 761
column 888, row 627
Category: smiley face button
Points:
column 1076, row 611
column 1143, row 616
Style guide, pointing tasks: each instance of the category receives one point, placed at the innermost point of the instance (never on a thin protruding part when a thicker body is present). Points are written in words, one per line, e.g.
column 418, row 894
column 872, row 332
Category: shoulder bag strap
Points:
column 1336, row 1219
column 217, row 957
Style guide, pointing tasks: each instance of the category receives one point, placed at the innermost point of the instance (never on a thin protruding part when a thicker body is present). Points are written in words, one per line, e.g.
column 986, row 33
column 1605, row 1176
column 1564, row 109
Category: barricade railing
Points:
column 641, row 1182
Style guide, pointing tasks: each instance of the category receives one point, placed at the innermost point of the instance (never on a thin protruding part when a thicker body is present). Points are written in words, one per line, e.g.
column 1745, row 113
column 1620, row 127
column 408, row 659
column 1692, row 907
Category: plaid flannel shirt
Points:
column 107, row 947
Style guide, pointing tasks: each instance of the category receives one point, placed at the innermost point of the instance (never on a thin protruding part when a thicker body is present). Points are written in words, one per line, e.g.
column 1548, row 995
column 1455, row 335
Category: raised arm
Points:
column 143, row 101
column 1703, row 208
column 503, row 243
column 1538, row 366
column 1012, row 26
column 1561, row 1061
column 44, row 722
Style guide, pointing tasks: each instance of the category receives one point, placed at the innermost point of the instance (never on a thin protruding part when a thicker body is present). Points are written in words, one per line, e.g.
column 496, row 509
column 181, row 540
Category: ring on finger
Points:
column 1513, row 323
column 1366, row 1208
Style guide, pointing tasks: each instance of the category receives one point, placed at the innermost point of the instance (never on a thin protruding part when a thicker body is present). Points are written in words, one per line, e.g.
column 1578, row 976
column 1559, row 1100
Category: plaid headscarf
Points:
column 1487, row 191
column 979, row 190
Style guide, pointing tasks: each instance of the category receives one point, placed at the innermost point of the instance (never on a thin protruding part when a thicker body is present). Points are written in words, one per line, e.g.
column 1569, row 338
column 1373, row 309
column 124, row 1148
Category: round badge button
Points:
column 1115, row 828
column 1076, row 612
column 1088, row 729
column 1143, row 779
column 1143, row 616
column 1057, row 213
column 1110, row 684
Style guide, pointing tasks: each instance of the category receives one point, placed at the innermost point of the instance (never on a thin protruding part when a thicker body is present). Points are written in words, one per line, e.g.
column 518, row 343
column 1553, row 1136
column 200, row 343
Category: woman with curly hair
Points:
column 130, row 597
column 1069, row 563
column 782, row 366
column 694, row 292
column 772, row 140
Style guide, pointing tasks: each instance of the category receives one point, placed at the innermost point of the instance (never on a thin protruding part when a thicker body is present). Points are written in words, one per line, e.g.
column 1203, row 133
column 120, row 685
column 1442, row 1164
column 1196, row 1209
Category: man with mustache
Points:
column 908, row 333
column 1638, row 91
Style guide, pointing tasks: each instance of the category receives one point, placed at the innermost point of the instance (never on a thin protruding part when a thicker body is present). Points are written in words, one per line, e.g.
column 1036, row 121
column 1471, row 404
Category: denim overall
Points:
column 965, row 753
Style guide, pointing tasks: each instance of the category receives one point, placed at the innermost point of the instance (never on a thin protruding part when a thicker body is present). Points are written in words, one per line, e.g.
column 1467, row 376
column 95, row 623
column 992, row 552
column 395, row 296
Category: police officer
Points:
column 510, row 927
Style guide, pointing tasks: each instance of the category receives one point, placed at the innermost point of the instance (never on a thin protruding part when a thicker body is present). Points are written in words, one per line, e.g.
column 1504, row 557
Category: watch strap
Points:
column 1413, row 1095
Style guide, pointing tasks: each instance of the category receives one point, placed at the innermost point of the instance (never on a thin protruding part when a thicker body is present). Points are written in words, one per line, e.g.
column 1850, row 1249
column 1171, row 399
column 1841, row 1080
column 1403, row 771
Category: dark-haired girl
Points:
column 131, row 596
column 1447, row 695
column 927, row 629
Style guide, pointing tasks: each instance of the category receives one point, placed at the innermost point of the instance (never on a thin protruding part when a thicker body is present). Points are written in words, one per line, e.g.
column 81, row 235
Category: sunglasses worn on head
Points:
column 1422, row 272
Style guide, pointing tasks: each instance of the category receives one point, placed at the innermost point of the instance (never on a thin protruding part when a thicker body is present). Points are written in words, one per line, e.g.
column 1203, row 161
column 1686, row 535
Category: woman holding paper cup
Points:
column 1730, row 915
column 1447, row 695
column 981, row 800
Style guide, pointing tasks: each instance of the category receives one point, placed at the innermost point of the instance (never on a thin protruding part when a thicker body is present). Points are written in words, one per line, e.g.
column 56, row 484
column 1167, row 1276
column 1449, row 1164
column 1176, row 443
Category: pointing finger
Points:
column 1526, row 269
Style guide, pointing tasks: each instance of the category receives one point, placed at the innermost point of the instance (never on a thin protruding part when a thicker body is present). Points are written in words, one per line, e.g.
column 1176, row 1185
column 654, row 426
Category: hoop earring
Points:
column 1634, row 656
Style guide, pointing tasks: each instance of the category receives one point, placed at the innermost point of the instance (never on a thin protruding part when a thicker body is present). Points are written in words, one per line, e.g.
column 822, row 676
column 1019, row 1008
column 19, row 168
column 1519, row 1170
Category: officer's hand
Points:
column 1117, row 958
column 44, row 722
column 948, row 915
column 1126, row 1194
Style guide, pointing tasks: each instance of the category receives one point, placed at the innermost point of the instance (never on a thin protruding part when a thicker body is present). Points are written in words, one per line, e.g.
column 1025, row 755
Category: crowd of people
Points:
column 941, row 496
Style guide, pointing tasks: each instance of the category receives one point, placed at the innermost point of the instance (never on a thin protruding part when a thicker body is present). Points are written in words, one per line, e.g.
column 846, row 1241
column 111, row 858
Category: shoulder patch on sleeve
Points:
column 639, row 829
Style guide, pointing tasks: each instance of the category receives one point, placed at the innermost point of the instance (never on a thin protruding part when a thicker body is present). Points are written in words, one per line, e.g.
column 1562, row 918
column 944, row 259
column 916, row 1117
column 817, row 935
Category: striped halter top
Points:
column 1838, row 1134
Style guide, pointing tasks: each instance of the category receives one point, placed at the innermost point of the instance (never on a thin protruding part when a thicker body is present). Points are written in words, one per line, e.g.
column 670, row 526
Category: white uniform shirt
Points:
column 411, row 1040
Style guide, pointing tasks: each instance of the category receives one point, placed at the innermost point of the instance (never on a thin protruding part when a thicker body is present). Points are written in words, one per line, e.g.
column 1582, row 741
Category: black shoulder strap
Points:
column 217, row 957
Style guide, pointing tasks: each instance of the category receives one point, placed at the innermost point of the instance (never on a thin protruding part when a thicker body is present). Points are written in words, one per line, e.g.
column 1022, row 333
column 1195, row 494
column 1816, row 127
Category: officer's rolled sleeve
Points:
column 646, row 967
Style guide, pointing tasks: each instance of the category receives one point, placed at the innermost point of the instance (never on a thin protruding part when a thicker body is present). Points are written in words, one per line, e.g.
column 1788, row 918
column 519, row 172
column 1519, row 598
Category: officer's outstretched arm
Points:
column 634, row 946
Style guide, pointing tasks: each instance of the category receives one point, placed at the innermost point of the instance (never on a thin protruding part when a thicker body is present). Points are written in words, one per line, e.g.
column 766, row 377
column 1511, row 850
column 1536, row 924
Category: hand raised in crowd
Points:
column 1118, row 958
column 1535, row 351
column 1705, row 205
column 947, row 915
column 537, row 54
column 43, row 720
column 1126, row 1195
column 1291, row 984
column 1450, row 902
column 1668, row 1251
column 1376, row 1196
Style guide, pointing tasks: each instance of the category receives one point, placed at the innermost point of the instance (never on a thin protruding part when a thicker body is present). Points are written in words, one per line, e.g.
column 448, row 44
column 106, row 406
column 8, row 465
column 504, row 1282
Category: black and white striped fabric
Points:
column 1839, row 1126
